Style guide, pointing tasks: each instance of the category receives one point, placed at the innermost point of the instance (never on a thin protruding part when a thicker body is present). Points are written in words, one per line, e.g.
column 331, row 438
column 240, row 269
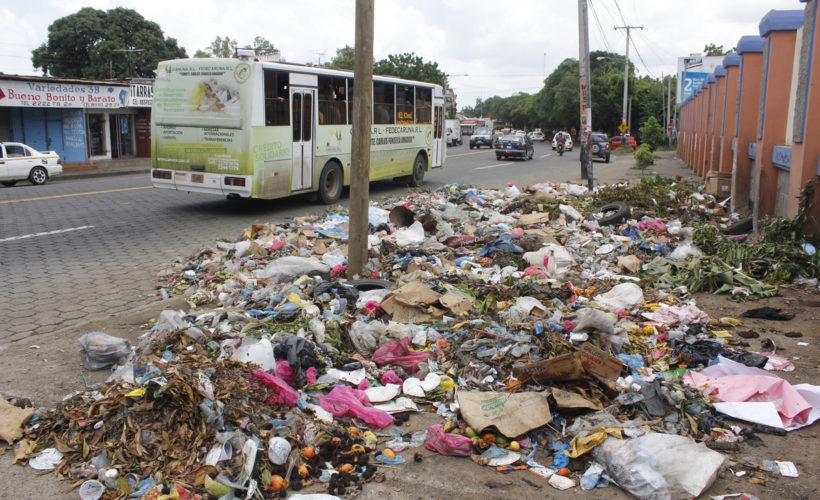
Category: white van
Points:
column 453, row 132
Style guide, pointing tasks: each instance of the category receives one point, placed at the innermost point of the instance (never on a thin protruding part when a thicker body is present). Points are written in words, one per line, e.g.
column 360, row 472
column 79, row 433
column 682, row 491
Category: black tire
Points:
column 607, row 157
column 614, row 213
column 419, row 167
column 743, row 226
column 331, row 183
column 472, row 146
column 38, row 175
column 8, row 183
column 497, row 157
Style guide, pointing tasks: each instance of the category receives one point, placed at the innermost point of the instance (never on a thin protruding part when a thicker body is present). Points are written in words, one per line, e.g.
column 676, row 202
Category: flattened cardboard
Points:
column 599, row 363
column 558, row 369
column 512, row 414
column 456, row 303
column 567, row 400
column 534, row 218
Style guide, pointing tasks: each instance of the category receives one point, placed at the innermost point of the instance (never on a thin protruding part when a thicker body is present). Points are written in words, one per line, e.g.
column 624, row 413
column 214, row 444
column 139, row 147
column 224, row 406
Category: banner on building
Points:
column 45, row 94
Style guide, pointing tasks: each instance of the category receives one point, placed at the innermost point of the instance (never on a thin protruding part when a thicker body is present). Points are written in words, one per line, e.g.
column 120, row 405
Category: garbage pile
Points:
column 525, row 320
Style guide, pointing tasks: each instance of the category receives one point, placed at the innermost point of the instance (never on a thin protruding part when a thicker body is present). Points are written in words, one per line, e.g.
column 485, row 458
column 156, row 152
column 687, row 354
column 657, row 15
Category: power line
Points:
column 641, row 58
column 620, row 13
column 600, row 28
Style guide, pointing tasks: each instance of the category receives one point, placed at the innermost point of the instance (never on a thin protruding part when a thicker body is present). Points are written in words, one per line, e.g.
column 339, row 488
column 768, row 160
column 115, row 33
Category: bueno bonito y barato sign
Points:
column 44, row 94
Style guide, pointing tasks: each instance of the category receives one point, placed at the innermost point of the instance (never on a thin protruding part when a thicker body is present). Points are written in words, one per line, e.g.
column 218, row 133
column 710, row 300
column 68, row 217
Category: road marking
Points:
column 473, row 153
column 544, row 156
column 46, row 233
column 492, row 166
column 76, row 194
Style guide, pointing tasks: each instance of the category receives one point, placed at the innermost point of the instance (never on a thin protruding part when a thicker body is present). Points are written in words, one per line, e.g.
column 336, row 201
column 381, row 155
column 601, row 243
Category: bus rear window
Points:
column 424, row 105
column 276, row 98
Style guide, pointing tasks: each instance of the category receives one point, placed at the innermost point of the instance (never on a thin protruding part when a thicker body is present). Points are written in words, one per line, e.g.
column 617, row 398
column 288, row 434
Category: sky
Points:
column 487, row 47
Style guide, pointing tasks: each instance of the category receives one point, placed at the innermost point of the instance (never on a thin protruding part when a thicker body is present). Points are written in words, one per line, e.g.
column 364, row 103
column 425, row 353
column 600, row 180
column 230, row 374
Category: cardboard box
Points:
column 719, row 183
column 588, row 360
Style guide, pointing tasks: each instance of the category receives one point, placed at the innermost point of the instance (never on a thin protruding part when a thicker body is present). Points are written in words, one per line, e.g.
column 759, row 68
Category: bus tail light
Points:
column 235, row 181
column 161, row 174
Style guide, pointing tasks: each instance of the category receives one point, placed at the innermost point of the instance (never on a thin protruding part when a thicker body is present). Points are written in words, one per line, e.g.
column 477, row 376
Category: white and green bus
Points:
column 268, row 130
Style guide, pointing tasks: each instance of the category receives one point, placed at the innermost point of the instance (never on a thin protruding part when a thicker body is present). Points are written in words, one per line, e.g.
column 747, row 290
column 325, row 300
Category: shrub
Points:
column 644, row 156
column 652, row 133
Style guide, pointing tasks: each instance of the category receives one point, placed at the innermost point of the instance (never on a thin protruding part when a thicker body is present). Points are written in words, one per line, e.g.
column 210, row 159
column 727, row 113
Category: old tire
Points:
column 614, row 213
column 37, row 176
column 471, row 145
column 743, row 226
column 331, row 183
column 419, row 167
column 596, row 148
column 8, row 183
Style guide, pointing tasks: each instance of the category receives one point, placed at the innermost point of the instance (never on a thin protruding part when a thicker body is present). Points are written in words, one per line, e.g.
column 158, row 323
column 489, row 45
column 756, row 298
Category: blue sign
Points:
column 691, row 82
column 782, row 157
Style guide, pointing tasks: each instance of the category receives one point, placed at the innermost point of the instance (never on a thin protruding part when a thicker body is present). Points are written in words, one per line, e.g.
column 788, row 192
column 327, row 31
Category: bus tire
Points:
column 331, row 183
column 419, row 167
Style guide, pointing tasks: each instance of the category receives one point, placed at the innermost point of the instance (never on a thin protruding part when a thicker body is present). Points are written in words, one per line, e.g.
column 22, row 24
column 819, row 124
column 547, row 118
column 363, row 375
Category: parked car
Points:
column 616, row 141
column 599, row 145
column 514, row 146
column 19, row 162
column 482, row 136
column 567, row 141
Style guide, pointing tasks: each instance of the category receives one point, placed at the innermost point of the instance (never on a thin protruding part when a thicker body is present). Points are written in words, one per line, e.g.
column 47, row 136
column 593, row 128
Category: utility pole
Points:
column 586, row 105
column 624, row 127
column 360, row 150
column 668, row 123
column 663, row 102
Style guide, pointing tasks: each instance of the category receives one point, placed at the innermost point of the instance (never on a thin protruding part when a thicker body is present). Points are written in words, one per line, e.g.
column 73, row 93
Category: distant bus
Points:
column 270, row 130
column 468, row 126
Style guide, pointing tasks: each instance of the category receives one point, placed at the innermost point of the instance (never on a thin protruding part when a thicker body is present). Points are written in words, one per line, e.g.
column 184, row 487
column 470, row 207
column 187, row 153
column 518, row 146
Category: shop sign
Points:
column 45, row 94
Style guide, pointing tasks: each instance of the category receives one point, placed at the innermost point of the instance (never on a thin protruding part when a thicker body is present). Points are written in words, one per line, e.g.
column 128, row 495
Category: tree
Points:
column 93, row 43
column 226, row 47
column 410, row 67
column 343, row 59
column 222, row 47
column 652, row 133
column 710, row 49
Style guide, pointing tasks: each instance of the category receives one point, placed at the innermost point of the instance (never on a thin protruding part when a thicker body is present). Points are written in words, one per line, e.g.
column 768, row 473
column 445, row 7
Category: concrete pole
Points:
column 586, row 105
column 360, row 150
column 626, row 75
column 668, row 112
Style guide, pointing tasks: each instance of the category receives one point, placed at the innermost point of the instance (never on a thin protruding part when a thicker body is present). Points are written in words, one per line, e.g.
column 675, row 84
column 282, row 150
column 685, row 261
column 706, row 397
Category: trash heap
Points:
column 543, row 327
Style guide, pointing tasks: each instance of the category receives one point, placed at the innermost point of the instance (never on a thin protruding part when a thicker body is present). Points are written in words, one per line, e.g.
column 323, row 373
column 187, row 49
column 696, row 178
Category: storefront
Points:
column 82, row 120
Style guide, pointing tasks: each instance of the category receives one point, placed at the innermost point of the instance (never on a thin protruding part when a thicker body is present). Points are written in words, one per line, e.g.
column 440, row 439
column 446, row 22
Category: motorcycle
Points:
column 561, row 149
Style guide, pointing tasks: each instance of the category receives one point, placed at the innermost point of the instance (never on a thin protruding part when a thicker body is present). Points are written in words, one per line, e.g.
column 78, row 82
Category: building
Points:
column 82, row 120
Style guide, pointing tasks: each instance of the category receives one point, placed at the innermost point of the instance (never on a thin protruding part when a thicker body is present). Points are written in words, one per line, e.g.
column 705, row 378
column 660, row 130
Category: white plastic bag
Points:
column 101, row 350
column 594, row 319
column 623, row 297
column 409, row 236
column 365, row 336
column 684, row 250
column 570, row 212
column 659, row 466
column 286, row 268
column 260, row 353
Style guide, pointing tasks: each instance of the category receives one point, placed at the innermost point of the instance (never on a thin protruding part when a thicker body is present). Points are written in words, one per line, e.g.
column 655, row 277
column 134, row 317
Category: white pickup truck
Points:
column 453, row 132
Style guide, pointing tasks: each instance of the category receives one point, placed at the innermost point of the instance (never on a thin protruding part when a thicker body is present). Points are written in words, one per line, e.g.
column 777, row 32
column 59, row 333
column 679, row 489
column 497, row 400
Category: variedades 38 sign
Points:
column 44, row 94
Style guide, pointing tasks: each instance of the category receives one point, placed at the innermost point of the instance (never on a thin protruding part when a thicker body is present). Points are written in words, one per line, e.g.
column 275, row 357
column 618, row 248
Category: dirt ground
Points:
column 48, row 372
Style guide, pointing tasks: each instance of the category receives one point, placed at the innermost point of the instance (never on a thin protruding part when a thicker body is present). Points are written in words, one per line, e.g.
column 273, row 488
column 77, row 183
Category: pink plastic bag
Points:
column 343, row 400
column 364, row 384
column 285, row 372
column 397, row 353
column 390, row 377
column 310, row 374
column 455, row 445
column 283, row 394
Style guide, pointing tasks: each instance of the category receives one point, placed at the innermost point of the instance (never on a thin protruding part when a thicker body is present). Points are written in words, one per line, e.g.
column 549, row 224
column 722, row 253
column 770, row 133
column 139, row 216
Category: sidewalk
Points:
column 106, row 168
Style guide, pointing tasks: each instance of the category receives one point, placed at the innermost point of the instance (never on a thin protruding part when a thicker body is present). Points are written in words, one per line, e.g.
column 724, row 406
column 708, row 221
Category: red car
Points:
column 615, row 142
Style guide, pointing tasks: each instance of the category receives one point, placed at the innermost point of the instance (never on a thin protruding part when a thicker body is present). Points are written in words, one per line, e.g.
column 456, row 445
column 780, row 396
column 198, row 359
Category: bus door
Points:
column 302, row 117
column 438, row 134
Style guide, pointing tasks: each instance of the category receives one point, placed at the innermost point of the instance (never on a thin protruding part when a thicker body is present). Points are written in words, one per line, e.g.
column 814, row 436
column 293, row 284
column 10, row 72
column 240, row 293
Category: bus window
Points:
column 308, row 125
column 331, row 99
column 276, row 98
column 384, row 104
column 350, row 101
column 404, row 104
column 297, row 117
column 424, row 105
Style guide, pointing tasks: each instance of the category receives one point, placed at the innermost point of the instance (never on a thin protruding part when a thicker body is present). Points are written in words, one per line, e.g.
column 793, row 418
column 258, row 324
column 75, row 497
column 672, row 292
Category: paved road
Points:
column 75, row 250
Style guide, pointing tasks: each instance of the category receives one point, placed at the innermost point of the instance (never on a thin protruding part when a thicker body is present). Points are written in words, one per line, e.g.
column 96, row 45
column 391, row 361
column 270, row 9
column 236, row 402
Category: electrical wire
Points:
column 598, row 24
column 621, row 13
column 646, row 67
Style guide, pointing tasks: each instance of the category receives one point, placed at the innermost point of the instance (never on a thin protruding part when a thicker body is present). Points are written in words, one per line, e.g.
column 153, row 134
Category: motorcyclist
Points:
column 559, row 143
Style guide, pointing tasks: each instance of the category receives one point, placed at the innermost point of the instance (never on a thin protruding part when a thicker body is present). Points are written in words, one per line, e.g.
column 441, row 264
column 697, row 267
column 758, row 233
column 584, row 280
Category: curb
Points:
column 91, row 174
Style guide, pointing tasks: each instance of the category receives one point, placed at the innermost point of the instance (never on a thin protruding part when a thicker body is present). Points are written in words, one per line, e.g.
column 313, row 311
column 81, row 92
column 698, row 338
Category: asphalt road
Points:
column 73, row 250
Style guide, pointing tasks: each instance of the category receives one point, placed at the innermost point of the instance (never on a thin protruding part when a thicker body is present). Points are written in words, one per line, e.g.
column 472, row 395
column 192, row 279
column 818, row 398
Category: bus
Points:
column 267, row 130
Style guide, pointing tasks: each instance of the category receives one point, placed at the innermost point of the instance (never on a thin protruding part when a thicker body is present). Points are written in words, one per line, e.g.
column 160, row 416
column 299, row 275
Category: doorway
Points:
column 302, row 118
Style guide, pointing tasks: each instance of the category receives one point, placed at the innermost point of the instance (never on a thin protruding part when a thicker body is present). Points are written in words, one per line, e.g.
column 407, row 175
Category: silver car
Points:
column 19, row 162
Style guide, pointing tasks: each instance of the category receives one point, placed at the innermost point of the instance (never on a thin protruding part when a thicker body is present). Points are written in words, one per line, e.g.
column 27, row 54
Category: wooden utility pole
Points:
column 360, row 151
column 586, row 101
column 626, row 78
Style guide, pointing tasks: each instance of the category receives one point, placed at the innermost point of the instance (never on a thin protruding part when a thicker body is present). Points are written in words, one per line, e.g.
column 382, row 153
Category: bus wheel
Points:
column 232, row 196
column 331, row 183
column 419, row 167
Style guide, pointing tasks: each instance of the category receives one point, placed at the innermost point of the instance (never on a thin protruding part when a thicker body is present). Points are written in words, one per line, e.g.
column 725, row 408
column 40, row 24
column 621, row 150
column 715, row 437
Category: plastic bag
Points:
column 595, row 319
column 101, row 350
column 623, row 297
column 397, row 353
column 455, row 445
column 168, row 322
column 365, row 335
column 660, row 466
column 286, row 268
column 408, row 236
column 260, row 354
column 570, row 212
column 283, row 394
column 684, row 250
column 343, row 400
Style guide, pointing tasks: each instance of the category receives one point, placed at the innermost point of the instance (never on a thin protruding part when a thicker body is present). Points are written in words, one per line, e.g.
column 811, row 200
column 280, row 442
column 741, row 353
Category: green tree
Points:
column 710, row 49
column 93, row 43
column 226, row 47
column 345, row 58
column 652, row 133
column 410, row 67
